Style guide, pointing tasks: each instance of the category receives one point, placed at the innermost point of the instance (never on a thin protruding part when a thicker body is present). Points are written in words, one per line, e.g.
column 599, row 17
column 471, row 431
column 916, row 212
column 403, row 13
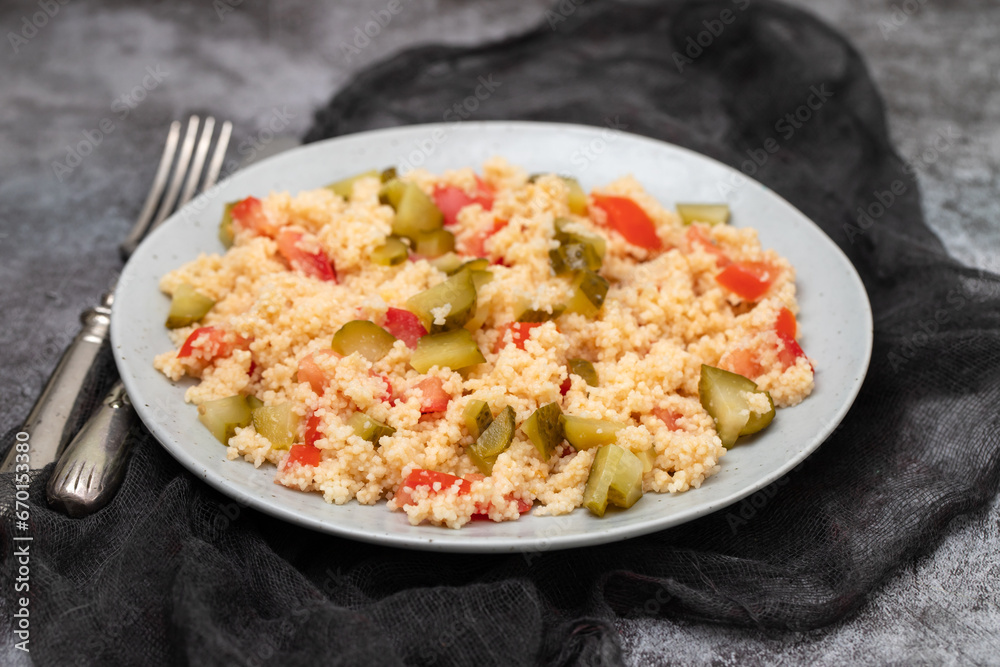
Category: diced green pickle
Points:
column 254, row 402
column 711, row 214
column 584, row 369
column 435, row 243
column 458, row 291
column 574, row 257
column 226, row 225
column 602, row 473
column 388, row 174
column 723, row 395
column 544, row 428
column 626, row 485
column 577, row 197
column 479, row 264
column 366, row 338
column 447, row 263
column 648, row 458
column 584, row 433
column 278, row 424
column 451, row 349
column 391, row 193
column 223, row 416
column 345, row 187
column 367, row 428
column 415, row 213
column 589, row 291
column 493, row 441
column 533, row 315
column 564, row 236
column 390, row 253
column 187, row 306
column 477, row 417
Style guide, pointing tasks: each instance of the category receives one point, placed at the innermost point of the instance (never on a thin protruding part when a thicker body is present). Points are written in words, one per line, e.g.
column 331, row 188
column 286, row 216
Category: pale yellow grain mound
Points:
column 664, row 316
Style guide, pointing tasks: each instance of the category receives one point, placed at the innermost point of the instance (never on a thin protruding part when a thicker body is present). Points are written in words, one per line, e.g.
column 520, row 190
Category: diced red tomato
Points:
column 668, row 417
column 475, row 245
column 306, row 455
column 434, row 398
column 310, row 371
column 484, row 514
column 748, row 280
column 697, row 238
column 388, row 396
column 249, row 214
column 566, row 385
column 213, row 343
column 789, row 349
column 253, row 368
column 404, row 325
column 419, row 477
column 451, row 199
column 628, row 218
column 519, row 332
column 744, row 361
column 313, row 263
column 312, row 429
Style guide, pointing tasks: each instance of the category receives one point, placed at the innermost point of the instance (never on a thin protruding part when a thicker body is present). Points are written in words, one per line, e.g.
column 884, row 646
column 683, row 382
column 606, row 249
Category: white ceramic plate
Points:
column 835, row 321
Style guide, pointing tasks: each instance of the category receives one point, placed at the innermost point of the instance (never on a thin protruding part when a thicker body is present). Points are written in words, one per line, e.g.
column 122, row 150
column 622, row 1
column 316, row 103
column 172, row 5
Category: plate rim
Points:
column 445, row 539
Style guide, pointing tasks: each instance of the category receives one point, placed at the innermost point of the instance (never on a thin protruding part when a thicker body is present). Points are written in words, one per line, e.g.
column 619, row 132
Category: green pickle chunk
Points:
column 345, row 187
column 584, row 369
column 479, row 264
column 451, row 349
column 415, row 212
column 723, row 395
column 577, row 197
column 458, row 293
column 589, row 292
column 391, row 193
column 565, row 236
column 254, row 402
column 447, row 263
column 626, row 485
column 277, row 423
column 390, row 253
column 435, row 243
column 602, row 473
column 226, row 236
column 366, row 338
column 535, row 315
column 187, row 306
column 544, row 428
column 584, row 433
column 388, row 174
column 223, row 416
column 369, row 429
column 477, row 417
column 711, row 214
column 493, row 441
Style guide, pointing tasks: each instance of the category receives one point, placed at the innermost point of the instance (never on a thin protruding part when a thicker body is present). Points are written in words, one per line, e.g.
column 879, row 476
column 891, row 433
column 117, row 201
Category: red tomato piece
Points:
column 450, row 199
column 213, row 343
column 484, row 514
column 313, row 263
column 310, row 371
column 306, row 455
column 789, row 350
column 404, row 325
column 312, row 429
column 697, row 238
column 434, row 398
column 475, row 245
column 566, row 385
column 419, row 477
column 748, row 280
column 668, row 417
column 387, row 397
column 628, row 218
column 249, row 214
column 744, row 361
column 519, row 332
column 786, row 326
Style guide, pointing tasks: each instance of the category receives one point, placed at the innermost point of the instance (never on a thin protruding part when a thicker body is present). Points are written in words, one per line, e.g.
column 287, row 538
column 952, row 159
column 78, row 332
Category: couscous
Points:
column 478, row 346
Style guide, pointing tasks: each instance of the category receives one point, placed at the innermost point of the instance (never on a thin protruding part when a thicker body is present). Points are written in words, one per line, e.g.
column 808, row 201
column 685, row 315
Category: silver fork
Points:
column 90, row 468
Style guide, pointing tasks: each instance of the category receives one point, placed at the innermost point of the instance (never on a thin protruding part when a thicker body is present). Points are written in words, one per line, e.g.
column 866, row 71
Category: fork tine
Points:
column 219, row 155
column 159, row 182
column 180, row 169
column 194, row 174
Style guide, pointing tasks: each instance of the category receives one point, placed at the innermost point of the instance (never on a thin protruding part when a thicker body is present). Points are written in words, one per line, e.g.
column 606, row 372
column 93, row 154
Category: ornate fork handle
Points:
column 48, row 422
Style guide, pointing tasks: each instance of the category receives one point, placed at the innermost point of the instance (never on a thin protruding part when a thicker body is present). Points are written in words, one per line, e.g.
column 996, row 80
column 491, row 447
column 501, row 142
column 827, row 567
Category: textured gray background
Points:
column 939, row 71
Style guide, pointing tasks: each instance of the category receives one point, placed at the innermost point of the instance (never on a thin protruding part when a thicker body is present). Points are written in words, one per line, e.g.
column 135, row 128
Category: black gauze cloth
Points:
column 174, row 572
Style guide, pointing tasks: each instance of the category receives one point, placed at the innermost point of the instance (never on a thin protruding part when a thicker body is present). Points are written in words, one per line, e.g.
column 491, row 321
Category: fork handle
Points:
column 48, row 423
column 89, row 472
